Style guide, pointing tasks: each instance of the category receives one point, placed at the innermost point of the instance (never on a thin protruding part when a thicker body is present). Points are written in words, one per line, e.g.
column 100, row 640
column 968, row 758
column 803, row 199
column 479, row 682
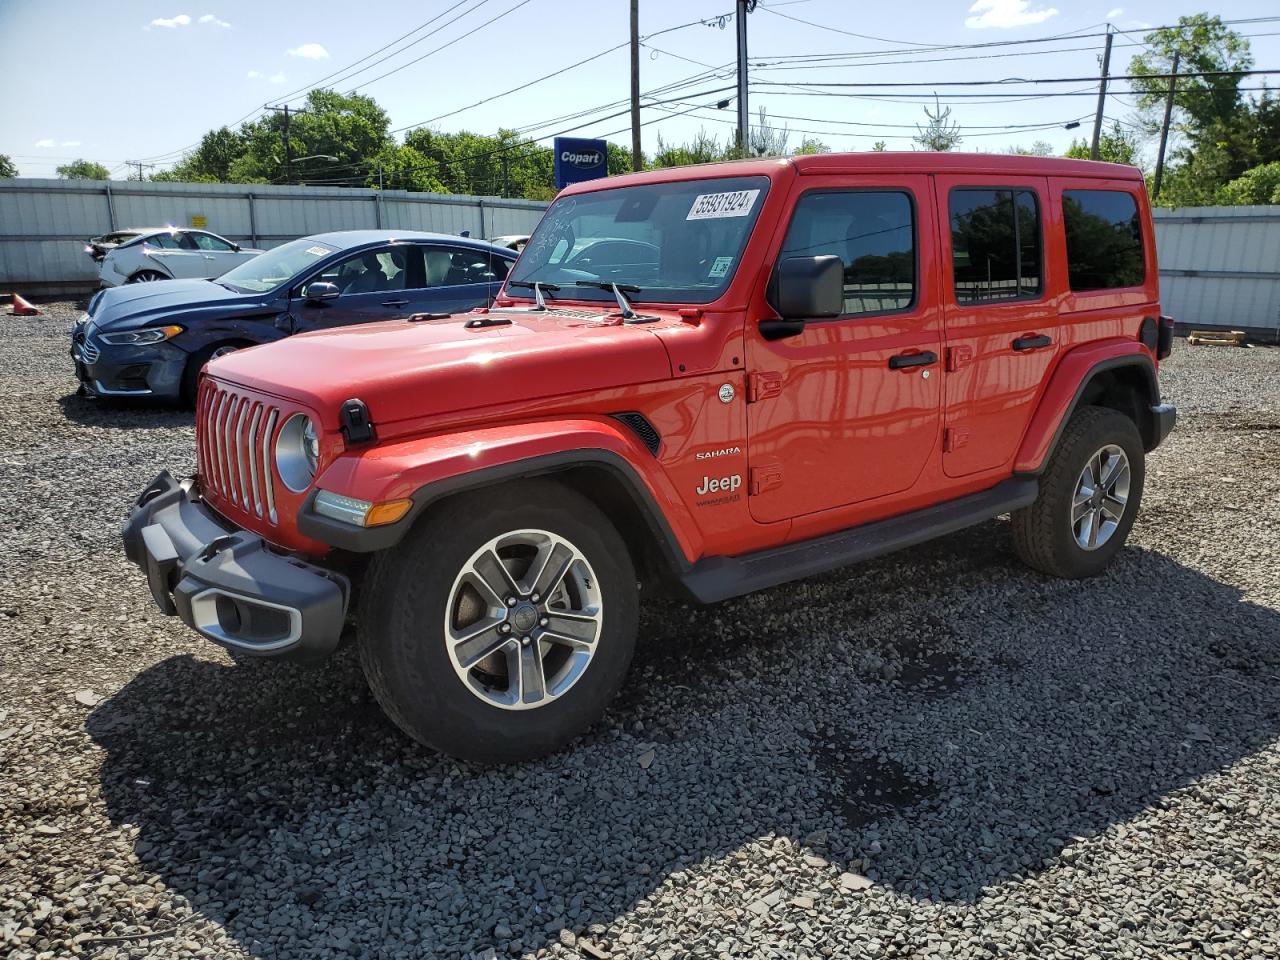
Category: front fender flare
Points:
column 427, row 469
column 1067, row 385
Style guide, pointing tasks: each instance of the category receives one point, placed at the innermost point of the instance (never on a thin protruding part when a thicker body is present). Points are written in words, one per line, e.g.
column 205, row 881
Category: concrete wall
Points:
column 1220, row 268
column 44, row 223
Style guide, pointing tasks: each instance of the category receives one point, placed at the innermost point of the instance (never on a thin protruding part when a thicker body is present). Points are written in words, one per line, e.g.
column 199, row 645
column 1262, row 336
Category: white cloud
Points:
column 1114, row 12
column 210, row 18
column 255, row 75
column 45, row 143
column 69, row 143
column 277, row 77
column 181, row 20
column 1005, row 14
column 310, row 51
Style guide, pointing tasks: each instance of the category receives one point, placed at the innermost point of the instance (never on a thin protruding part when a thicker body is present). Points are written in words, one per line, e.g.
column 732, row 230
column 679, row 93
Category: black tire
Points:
column 196, row 362
column 1044, row 536
column 146, row 276
column 401, row 626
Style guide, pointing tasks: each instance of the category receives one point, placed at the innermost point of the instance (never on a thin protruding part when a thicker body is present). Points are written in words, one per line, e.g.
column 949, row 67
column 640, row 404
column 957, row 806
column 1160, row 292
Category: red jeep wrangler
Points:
column 713, row 380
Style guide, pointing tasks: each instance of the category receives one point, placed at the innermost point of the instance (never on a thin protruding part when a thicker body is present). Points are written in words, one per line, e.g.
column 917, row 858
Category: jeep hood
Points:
column 405, row 370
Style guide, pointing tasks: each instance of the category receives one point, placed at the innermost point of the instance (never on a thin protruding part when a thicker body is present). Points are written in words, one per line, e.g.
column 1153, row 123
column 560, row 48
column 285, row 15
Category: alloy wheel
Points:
column 523, row 619
column 1101, row 497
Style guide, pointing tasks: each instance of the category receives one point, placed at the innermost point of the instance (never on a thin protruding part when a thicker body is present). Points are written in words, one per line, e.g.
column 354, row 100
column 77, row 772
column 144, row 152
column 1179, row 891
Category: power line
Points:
column 316, row 84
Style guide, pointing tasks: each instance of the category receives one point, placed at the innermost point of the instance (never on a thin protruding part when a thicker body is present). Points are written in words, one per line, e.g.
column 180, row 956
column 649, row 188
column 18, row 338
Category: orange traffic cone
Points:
column 21, row 308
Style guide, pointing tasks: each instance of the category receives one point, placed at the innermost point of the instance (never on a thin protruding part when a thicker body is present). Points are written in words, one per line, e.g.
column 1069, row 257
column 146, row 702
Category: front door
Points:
column 377, row 284
column 1001, row 316
column 848, row 409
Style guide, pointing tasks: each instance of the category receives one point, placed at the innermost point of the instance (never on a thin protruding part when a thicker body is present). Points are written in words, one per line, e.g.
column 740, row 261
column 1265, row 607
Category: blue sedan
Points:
column 152, row 339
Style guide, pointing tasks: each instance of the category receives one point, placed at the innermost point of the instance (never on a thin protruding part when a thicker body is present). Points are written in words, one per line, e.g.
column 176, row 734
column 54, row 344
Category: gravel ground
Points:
column 938, row 754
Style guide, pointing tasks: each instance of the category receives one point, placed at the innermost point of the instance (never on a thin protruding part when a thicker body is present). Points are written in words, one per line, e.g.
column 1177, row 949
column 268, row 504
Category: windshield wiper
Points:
column 537, row 286
column 616, row 289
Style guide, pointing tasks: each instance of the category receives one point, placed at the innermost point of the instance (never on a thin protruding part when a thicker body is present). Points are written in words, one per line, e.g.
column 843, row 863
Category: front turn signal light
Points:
column 360, row 513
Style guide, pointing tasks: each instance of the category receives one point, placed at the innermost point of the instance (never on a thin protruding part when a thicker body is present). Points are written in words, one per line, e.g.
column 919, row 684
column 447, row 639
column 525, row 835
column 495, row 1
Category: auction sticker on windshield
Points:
column 713, row 206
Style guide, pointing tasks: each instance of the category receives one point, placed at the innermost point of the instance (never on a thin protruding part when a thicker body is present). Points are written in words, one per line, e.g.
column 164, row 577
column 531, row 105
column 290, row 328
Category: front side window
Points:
column 678, row 242
column 996, row 245
column 374, row 271
column 206, row 241
column 1104, row 239
column 873, row 234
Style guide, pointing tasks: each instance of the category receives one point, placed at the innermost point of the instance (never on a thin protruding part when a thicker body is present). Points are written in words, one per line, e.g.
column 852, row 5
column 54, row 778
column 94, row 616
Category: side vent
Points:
column 643, row 429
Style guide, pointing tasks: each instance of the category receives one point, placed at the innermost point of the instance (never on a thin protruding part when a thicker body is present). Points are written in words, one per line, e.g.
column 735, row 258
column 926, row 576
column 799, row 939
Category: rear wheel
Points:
column 146, row 276
column 503, row 625
column 1089, row 497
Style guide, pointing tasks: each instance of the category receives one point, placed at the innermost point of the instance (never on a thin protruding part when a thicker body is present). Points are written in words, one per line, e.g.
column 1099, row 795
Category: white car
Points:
column 515, row 241
column 165, row 253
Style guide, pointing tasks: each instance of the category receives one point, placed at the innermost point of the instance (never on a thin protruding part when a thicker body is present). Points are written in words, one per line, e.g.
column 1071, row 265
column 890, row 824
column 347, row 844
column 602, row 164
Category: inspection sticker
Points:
column 715, row 206
column 720, row 267
column 318, row 251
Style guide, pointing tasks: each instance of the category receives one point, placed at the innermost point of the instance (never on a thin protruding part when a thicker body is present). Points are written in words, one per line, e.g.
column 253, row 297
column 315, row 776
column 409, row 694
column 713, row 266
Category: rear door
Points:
column 458, row 279
column 848, row 409
column 1001, row 315
column 177, row 254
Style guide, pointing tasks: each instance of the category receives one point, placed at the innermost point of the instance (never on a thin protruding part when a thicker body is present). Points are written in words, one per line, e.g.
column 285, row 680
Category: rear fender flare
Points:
column 1067, row 386
column 428, row 469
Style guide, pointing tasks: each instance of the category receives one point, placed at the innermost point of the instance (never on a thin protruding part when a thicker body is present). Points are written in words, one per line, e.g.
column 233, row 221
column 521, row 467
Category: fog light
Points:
column 360, row 513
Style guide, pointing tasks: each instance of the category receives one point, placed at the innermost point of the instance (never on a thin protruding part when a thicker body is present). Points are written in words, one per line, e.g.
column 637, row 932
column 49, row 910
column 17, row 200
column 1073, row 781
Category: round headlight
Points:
column 297, row 452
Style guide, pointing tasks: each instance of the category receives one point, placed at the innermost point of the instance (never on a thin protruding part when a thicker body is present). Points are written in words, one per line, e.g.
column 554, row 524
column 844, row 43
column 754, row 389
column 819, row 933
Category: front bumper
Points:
column 142, row 370
column 228, row 584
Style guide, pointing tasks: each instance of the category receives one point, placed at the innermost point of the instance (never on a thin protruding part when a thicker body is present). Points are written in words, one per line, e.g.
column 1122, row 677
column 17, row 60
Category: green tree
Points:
column 7, row 168
column 1041, row 148
column 1203, row 44
column 83, row 170
column 940, row 132
column 879, row 146
column 212, row 161
column 1257, row 186
column 703, row 148
column 811, row 145
column 1114, row 146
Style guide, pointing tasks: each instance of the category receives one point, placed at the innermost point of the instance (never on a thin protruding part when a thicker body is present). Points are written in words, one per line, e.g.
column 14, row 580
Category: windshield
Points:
column 268, row 270
column 678, row 242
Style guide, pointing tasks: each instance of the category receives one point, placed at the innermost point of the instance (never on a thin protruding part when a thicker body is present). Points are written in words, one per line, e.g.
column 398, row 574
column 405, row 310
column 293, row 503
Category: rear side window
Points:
column 1104, row 239
column 996, row 246
column 873, row 234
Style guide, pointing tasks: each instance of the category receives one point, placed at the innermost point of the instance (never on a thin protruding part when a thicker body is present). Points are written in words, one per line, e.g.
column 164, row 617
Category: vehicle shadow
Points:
column 125, row 413
column 945, row 742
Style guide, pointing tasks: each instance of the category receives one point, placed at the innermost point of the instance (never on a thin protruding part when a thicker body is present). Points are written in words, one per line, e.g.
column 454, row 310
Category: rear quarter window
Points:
column 1104, row 239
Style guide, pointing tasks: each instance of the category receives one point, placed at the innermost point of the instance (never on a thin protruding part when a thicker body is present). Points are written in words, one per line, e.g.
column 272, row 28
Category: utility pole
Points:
column 1164, row 127
column 1102, row 96
column 139, row 165
column 288, row 157
column 637, row 155
column 744, row 119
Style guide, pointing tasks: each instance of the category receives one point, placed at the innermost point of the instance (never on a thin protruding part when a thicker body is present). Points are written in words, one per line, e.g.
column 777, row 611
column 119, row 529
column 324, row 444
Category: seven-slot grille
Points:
column 235, row 436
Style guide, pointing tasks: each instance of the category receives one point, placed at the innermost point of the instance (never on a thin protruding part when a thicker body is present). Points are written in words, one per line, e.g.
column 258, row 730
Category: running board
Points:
column 719, row 578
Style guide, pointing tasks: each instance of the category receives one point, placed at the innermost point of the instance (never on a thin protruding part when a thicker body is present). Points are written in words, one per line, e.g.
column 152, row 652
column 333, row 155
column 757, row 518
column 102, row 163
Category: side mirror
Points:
column 235, row 247
column 805, row 288
column 320, row 291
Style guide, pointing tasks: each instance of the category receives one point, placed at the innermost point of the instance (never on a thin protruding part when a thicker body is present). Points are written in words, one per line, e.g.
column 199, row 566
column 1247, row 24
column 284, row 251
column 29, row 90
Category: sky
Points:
column 144, row 79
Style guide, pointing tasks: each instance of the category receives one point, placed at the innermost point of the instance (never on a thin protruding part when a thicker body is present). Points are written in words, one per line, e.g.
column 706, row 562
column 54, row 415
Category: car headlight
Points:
column 297, row 452
column 144, row 335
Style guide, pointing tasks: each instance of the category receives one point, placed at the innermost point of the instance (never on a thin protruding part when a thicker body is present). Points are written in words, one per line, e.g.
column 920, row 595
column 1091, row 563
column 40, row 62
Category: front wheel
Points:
column 503, row 625
column 146, row 276
column 1089, row 497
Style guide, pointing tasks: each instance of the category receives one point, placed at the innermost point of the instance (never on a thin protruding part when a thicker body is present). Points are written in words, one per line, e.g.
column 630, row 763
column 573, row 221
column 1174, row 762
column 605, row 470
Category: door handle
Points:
column 1033, row 342
column 394, row 303
column 900, row 361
